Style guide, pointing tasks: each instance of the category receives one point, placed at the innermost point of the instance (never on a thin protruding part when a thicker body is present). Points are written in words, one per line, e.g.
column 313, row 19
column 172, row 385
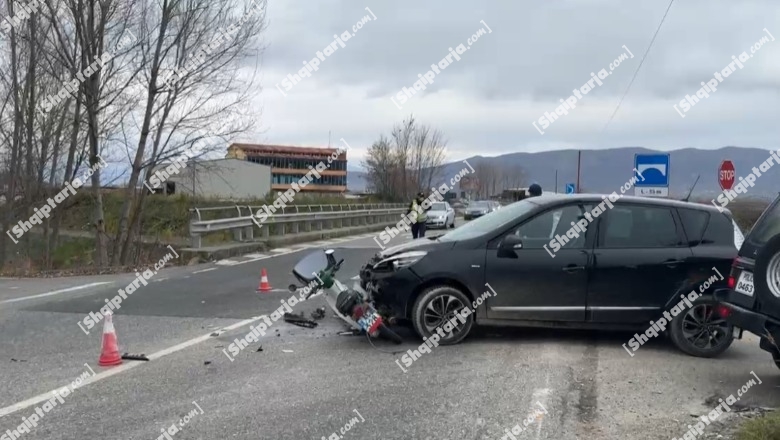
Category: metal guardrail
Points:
column 247, row 210
column 305, row 218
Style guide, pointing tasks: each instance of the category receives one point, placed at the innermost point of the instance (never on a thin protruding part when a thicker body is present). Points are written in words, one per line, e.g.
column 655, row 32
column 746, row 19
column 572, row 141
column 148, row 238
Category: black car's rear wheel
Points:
column 767, row 276
column 438, row 308
column 699, row 331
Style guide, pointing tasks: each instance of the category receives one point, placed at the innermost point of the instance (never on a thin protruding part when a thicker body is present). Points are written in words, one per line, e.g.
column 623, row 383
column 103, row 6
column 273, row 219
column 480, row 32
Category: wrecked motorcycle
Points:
column 316, row 272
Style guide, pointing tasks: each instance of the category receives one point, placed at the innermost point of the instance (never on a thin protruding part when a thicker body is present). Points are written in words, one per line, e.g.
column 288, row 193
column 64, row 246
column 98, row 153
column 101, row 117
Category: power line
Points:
column 636, row 72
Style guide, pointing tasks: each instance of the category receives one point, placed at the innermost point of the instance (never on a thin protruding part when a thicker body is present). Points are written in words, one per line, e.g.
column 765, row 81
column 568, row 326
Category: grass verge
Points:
column 766, row 427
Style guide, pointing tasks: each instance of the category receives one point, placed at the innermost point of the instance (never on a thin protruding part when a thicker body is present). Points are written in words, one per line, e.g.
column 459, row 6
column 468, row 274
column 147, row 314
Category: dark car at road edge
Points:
column 632, row 263
column 752, row 299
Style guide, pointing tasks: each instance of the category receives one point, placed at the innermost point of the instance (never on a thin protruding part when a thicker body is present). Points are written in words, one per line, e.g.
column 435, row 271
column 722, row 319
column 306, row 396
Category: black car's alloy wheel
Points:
column 773, row 275
column 699, row 331
column 767, row 278
column 437, row 306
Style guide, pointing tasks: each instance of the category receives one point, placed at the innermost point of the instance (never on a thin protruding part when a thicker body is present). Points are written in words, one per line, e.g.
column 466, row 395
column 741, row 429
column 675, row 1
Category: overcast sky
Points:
column 536, row 54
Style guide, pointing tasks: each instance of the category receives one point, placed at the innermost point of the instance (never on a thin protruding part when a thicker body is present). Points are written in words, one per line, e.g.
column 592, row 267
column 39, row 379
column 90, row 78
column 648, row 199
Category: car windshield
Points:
column 768, row 225
column 479, row 205
column 488, row 223
column 438, row 207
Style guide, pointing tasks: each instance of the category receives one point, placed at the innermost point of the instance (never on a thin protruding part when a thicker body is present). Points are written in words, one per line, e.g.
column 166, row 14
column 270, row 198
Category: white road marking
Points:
column 205, row 270
column 540, row 397
column 56, row 292
column 284, row 251
column 122, row 368
column 46, row 396
column 160, row 280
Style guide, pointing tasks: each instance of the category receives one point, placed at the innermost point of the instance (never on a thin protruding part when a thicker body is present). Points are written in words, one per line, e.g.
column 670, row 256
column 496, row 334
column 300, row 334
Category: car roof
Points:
column 550, row 199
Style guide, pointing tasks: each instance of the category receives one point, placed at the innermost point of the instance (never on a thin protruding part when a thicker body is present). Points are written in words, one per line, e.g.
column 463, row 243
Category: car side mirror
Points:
column 508, row 246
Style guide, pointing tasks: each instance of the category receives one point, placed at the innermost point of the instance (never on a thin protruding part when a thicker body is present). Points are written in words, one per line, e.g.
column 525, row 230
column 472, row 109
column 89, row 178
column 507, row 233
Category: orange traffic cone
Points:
column 110, row 353
column 264, row 286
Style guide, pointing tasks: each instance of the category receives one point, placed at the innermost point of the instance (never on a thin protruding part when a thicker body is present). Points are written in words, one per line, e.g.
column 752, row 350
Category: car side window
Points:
column 694, row 221
column 544, row 227
column 631, row 226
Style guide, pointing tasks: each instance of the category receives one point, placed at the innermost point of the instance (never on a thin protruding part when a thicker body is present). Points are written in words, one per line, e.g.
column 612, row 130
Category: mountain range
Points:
column 604, row 171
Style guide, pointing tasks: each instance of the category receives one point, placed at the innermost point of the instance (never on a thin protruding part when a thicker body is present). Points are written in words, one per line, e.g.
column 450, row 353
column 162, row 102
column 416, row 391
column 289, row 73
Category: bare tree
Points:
column 181, row 98
column 428, row 154
column 382, row 168
column 84, row 80
column 407, row 162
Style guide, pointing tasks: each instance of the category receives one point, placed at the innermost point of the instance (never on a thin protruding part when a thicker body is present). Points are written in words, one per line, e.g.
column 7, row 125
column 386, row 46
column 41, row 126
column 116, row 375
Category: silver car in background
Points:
column 441, row 215
column 480, row 208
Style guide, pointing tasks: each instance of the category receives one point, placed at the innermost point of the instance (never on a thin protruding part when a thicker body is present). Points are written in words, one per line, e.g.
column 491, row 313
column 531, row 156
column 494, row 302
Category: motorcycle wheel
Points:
column 385, row 332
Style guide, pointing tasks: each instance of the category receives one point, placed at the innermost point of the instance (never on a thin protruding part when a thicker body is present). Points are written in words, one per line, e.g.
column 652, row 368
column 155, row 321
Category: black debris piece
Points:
column 207, row 363
column 299, row 320
column 135, row 357
column 260, row 348
column 318, row 314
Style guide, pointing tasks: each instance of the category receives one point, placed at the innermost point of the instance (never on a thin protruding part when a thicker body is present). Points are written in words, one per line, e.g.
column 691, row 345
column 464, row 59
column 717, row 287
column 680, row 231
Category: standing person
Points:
column 418, row 227
column 535, row 190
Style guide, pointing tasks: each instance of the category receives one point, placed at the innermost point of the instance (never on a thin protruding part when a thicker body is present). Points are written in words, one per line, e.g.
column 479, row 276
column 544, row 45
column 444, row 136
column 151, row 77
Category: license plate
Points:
column 370, row 320
column 745, row 283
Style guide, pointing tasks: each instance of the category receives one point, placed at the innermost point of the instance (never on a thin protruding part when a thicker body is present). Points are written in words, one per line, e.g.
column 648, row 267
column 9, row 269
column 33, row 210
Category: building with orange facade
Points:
column 289, row 163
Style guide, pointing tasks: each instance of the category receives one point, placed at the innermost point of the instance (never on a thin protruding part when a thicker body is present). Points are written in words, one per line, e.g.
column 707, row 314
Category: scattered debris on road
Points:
column 18, row 360
column 299, row 320
column 260, row 348
column 135, row 357
column 318, row 314
column 287, row 351
column 206, row 362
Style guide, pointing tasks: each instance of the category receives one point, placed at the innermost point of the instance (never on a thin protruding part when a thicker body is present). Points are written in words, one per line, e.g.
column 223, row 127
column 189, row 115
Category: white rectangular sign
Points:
column 651, row 191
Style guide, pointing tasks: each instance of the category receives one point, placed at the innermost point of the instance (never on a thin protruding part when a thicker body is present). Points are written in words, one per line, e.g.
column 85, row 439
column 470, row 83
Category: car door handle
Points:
column 573, row 268
column 672, row 263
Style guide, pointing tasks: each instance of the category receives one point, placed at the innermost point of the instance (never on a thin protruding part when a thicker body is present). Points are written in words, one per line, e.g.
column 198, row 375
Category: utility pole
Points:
column 579, row 162
column 556, row 181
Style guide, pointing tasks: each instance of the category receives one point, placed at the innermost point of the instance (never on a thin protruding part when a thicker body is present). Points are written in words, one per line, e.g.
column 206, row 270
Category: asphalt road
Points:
column 311, row 383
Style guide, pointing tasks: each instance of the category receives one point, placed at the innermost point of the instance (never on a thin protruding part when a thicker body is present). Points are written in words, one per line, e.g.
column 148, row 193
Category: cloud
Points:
column 537, row 53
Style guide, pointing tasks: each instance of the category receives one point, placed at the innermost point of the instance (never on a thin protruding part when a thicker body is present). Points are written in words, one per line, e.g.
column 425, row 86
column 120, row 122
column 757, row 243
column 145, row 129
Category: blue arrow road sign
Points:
column 652, row 170
column 570, row 189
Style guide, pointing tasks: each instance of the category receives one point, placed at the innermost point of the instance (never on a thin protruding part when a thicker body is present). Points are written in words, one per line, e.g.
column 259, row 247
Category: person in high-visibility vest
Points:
column 418, row 225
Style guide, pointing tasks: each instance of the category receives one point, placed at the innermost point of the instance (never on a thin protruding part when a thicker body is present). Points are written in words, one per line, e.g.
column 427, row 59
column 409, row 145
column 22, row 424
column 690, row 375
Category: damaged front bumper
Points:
column 391, row 291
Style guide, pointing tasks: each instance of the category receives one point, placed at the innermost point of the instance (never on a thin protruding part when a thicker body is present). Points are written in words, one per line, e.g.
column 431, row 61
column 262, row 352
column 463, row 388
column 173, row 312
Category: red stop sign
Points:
column 726, row 175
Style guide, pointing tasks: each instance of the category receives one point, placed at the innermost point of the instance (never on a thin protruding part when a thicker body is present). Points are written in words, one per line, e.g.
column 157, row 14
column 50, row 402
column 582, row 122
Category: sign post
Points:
column 726, row 175
column 652, row 174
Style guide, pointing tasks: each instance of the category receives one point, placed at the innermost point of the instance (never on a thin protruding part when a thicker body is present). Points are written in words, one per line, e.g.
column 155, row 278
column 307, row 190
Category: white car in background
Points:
column 441, row 215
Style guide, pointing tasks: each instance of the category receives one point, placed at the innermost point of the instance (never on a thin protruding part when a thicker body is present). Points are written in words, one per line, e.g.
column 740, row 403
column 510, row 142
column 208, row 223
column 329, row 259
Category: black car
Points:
column 632, row 263
column 752, row 299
